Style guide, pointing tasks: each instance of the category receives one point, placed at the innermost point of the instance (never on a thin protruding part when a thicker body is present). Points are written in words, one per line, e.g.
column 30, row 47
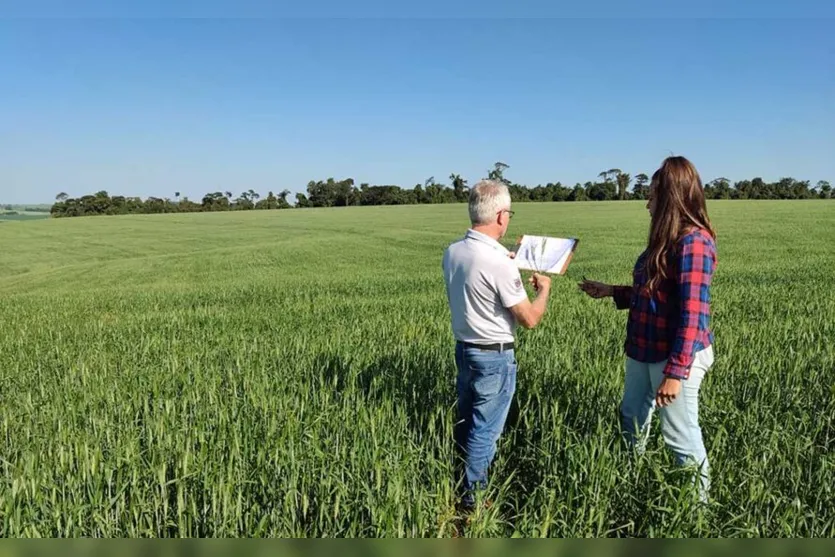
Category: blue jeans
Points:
column 486, row 385
column 679, row 421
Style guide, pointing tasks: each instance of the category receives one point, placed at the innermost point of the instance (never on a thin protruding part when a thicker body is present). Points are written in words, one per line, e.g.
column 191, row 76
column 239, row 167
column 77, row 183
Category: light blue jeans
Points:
column 679, row 421
column 486, row 384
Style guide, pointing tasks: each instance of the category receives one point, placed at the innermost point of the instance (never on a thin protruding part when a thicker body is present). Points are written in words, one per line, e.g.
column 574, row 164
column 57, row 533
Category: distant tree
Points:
column 432, row 190
column 386, row 195
column 559, row 192
column 607, row 175
column 539, row 193
column 758, row 189
column 498, row 173
column 459, row 187
column 640, row 190
column 783, row 189
column 622, row 180
column 334, row 193
column 344, row 193
column 244, row 202
column 268, row 203
column 187, row 206
column 155, row 205
column 578, row 194
column 601, row 191
column 302, row 201
column 824, row 189
column 216, row 201
column 719, row 188
column 801, row 189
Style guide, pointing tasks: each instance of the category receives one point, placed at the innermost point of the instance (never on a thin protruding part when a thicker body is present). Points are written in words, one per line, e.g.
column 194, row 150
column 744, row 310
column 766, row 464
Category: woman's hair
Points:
column 679, row 206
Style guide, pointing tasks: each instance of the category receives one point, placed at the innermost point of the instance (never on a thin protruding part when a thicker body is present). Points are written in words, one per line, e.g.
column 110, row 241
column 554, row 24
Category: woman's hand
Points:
column 596, row 289
column 667, row 392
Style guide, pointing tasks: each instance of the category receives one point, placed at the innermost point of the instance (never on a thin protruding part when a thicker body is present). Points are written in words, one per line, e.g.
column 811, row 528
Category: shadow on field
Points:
column 420, row 385
column 555, row 406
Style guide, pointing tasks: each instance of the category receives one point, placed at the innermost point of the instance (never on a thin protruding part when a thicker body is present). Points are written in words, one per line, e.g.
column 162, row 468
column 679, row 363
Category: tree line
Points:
column 612, row 184
column 25, row 209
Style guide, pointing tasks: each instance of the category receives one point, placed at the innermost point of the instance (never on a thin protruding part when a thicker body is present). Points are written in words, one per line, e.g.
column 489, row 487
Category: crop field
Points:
column 7, row 216
column 291, row 373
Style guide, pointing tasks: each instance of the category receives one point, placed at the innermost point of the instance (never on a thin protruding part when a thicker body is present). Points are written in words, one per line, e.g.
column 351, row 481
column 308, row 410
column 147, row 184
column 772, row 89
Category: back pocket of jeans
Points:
column 488, row 382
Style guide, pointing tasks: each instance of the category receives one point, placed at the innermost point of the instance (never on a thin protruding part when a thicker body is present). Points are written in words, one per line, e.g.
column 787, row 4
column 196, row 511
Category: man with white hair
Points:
column 486, row 299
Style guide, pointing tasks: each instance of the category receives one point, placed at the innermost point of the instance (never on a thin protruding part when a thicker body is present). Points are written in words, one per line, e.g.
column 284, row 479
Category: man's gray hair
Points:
column 487, row 198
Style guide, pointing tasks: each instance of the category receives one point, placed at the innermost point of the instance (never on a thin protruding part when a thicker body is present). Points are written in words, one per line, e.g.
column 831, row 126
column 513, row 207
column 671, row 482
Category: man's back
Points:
column 486, row 297
column 482, row 282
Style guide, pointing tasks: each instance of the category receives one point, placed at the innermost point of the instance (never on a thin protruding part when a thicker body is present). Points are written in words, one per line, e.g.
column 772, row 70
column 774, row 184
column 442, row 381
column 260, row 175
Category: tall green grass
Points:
column 291, row 373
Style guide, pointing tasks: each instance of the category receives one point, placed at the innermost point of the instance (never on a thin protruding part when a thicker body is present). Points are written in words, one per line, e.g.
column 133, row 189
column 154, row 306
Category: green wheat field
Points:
column 291, row 373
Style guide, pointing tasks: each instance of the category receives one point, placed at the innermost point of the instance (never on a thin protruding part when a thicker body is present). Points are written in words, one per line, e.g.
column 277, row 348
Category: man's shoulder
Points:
column 455, row 246
column 497, row 265
column 458, row 242
column 480, row 254
column 501, row 260
column 452, row 250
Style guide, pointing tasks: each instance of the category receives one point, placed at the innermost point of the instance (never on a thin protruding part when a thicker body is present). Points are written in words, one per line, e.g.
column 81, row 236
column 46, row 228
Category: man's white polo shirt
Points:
column 482, row 282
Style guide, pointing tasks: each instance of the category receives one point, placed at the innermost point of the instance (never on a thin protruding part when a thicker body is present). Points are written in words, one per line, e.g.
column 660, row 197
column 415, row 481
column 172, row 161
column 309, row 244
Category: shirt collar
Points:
column 480, row 237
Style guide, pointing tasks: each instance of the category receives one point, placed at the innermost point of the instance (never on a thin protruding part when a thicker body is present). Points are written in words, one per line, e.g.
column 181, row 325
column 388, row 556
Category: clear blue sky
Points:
column 150, row 106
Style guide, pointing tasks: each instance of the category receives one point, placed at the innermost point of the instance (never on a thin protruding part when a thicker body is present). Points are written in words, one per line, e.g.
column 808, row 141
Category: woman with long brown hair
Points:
column 669, row 344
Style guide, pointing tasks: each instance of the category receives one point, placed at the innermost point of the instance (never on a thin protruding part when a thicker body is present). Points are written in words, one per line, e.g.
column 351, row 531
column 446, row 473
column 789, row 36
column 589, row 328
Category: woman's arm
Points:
column 696, row 260
column 621, row 294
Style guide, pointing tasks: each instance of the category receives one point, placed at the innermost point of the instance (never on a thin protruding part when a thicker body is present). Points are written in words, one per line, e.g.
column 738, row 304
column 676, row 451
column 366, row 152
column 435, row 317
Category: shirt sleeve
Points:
column 622, row 296
column 695, row 265
column 509, row 285
column 444, row 273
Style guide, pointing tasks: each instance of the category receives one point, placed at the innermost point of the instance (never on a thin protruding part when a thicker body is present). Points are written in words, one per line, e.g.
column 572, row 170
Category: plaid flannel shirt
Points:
column 673, row 325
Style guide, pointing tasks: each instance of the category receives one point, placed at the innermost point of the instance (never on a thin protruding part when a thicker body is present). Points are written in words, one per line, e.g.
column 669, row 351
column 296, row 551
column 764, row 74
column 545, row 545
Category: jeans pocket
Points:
column 488, row 381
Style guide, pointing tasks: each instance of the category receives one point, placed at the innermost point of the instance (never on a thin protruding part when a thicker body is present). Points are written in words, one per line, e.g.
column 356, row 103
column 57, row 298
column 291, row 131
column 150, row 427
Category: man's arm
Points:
column 529, row 314
column 511, row 290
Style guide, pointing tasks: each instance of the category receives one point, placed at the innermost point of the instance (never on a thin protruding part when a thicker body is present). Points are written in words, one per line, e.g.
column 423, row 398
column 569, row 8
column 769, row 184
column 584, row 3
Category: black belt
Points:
column 495, row 347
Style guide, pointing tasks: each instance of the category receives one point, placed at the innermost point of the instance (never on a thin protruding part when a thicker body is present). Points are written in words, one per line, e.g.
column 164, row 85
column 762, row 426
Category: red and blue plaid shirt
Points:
column 673, row 324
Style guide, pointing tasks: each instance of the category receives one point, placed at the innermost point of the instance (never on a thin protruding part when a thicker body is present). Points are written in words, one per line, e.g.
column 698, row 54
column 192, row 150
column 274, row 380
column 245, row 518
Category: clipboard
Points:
column 545, row 254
